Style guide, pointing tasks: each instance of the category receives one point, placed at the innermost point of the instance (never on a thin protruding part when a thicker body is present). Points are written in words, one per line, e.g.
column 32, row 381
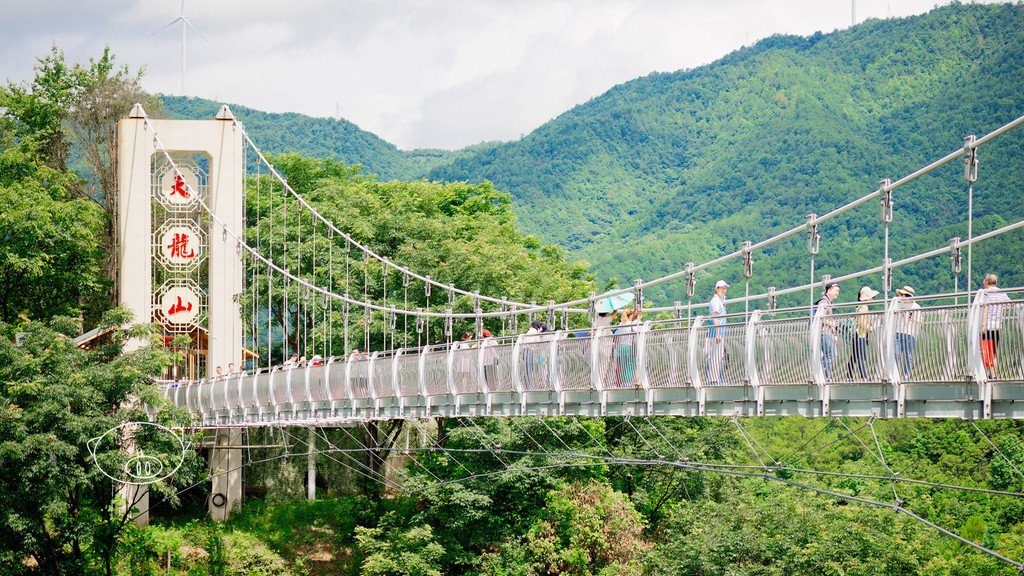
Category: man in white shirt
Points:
column 907, row 324
column 715, row 346
column 995, row 302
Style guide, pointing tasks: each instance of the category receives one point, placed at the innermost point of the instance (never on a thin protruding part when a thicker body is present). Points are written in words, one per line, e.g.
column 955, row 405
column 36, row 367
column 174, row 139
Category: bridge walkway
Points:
column 894, row 360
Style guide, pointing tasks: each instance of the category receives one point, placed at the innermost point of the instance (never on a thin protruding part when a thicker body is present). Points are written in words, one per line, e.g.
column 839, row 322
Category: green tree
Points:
column 65, row 120
column 587, row 529
column 759, row 528
column 49, row 255
column 37, row 110
column 107, row 95
column 59, row 508
column 393, row 549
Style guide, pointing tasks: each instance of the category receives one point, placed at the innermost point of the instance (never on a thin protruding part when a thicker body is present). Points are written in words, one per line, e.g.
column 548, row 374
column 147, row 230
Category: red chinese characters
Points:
column 179, row 187
column 179, row 247
column 179, row 308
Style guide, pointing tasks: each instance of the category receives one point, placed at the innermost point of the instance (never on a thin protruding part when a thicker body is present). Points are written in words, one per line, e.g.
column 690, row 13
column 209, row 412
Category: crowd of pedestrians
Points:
column 619, row 353
column 909, row 318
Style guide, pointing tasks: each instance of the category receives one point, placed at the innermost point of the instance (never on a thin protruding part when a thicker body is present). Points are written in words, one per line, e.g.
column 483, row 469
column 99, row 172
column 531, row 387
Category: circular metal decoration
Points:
column 180, row 305
column 153, row 453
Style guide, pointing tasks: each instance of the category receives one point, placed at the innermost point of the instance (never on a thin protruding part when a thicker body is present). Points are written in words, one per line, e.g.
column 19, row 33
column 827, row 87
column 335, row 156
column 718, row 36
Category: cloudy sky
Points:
column 418, row 73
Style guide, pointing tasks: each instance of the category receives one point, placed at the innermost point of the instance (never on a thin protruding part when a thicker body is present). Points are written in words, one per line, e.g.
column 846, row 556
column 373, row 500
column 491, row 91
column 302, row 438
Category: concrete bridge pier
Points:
column 311, row 466
column 226, row 465
column 137, row 497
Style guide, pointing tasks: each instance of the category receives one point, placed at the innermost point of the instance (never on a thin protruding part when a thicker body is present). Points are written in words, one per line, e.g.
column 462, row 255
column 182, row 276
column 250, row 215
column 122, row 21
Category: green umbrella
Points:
column 613, row 303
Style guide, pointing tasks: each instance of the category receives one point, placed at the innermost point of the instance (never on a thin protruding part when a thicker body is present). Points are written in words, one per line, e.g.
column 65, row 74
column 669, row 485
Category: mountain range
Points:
column 684, row 166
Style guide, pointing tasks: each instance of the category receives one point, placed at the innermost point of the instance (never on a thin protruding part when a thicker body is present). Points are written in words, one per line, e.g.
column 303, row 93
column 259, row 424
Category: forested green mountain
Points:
column 685, row 166
column 315, row 137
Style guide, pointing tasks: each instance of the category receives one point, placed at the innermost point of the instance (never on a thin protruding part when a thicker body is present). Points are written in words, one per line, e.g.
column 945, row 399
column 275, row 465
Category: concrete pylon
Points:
column 311, row 466
column 223, row 145
column 226, row 465
column 220, row 144
column 137, row 497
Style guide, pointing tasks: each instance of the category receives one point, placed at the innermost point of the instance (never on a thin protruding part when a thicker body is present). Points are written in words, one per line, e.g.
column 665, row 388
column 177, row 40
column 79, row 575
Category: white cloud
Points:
column 418, row 73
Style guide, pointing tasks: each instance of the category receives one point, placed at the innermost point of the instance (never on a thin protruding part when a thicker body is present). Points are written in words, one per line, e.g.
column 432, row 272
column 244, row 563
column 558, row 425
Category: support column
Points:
column 226, row 464
column 134, row 496
column 311, row 463
column 134, row 219
column 222, row 144
column 137, row 496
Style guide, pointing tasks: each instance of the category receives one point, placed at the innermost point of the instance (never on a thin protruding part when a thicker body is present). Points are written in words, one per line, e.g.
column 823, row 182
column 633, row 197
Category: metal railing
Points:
column 1003, row 347
column 665, row 359
column 781, row 345
column 973, row 348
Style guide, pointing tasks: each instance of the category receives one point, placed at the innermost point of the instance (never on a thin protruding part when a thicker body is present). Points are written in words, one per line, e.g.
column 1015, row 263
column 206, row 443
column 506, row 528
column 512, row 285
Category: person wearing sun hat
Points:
column 715, row 346
column 861, row 330
column 908, row 320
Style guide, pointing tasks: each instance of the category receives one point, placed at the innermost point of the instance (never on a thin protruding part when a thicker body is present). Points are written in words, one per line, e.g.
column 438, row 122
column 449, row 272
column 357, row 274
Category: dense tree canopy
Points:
column 460, row 234
column 57, row 142
column 58, row 508
column 49, row 252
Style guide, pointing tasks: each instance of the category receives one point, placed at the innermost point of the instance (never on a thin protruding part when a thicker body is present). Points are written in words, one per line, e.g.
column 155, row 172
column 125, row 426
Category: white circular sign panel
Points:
column 179, row 189
column 181, row 245
column 180, row 305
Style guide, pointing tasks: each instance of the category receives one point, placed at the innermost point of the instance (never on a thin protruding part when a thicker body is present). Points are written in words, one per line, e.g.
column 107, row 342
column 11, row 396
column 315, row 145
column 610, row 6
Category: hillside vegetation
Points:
column 685, row 166
column 529, row 509
column 337, row 139
column 523, row 495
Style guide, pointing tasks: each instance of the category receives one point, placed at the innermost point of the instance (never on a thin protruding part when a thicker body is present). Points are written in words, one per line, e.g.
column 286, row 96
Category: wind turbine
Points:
column 185, row 24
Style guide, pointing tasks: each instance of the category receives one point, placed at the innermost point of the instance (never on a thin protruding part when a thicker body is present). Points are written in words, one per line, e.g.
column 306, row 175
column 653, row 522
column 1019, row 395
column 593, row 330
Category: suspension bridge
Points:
column 769, row 364
column 904, row 356
column 191, row 263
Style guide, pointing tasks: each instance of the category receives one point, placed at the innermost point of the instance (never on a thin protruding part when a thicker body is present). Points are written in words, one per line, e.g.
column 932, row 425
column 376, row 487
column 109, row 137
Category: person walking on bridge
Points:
column 829, row 328
column 625, row 353
column 861, row 329
column 534, row 368
column 907, row 324
column 995, row 302
column 715, row 348
column 466, row 362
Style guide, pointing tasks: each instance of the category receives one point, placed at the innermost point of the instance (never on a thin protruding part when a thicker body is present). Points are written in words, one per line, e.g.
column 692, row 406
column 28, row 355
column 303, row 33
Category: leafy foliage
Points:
column 49, row 253
column 526, row 507
column 764, row 529
column 53, row 129
column 459, row 234
column 391, row 549
column 58, row 506
column 587, row 529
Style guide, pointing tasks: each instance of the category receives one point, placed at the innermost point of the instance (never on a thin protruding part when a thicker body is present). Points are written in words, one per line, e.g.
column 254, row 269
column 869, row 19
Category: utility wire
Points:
column 996, row 448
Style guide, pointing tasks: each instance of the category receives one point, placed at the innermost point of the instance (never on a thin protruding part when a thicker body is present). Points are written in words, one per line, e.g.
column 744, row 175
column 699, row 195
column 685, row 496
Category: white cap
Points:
column 721, row 284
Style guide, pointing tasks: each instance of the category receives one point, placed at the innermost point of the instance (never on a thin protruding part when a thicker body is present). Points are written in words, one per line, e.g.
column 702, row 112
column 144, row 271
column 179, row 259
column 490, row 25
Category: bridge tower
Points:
column 178, row 265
